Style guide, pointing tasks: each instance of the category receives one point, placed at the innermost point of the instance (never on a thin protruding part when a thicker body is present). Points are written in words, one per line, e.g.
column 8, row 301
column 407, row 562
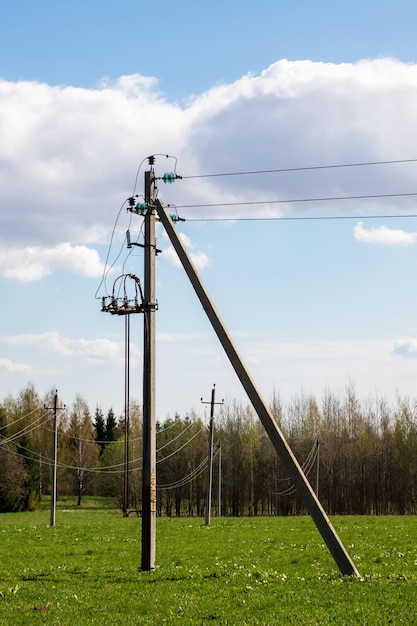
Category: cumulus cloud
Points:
column 406, row 348
column 100, row 350
column 9, row 366
column 384, row 236
column 69, row 156
column 32, row 263
column 200, row 259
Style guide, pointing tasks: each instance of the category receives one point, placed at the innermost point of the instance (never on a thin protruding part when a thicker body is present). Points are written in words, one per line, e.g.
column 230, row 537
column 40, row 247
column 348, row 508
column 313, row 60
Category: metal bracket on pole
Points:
column 284, row 451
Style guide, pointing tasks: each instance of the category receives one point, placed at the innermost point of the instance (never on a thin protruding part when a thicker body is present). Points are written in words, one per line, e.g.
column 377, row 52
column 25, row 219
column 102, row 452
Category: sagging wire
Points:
column 175, row 438
column 306, row 467
column 26, row 430
column 169, row 177
column 195, row 473
column 137, row 175
column 181, row 447
column 19, row 419
column 150, row 159
column 107, row 268
column 104, row 469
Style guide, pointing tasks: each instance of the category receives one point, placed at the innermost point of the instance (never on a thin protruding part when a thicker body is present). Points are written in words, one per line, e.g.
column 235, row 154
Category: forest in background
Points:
column 361, row 457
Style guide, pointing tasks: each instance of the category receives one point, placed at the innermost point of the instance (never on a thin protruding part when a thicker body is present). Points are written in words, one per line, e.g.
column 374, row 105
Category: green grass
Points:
column 86, row 570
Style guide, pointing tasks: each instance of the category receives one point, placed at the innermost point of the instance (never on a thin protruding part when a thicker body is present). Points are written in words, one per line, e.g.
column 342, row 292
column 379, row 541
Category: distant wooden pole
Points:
column 210, row 459
column 54, row 462
column 210, row 454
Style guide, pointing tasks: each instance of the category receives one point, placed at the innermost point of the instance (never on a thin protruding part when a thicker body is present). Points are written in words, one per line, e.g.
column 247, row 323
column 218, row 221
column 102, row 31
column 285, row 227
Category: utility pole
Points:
column 317, row 465
column 149, row 410
column 54, row 459
column 284, row 451
column 210, row 454
column 54, row 463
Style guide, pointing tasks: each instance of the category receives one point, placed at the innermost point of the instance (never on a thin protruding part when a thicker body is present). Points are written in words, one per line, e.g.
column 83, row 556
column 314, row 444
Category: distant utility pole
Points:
column 149, row 410
column 54, row 458
column 210, row 454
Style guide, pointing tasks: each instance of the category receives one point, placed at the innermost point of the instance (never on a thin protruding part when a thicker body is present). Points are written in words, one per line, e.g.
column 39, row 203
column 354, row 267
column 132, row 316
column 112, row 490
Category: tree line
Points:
column 359, row 456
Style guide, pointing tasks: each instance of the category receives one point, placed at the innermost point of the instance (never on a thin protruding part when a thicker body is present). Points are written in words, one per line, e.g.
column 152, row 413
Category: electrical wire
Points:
column 24, row 431
column 99, row 469
column 181, row 447
column 195, row 473
column 296, row 200
column 19, row 419
column 306, row 467
column 137, row 174
column 175, row 438
column 296, row 218
column 301, row 169
column 102, row 469
column 107, row 268
column 162, row 429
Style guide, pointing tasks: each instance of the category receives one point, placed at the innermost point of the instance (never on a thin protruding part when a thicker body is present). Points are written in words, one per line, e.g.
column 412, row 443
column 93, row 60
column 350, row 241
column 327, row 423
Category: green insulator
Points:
column 169, row 177
column 141, row 208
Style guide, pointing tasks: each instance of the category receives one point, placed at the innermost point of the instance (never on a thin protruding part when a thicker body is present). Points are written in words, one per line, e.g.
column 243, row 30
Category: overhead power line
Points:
column 297, row 200
column 301, row 169
column 287, row 218
column 22, row 417
column 181, row 447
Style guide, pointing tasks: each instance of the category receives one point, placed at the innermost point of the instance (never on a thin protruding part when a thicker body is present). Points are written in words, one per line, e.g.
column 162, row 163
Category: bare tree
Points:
column 83, row 450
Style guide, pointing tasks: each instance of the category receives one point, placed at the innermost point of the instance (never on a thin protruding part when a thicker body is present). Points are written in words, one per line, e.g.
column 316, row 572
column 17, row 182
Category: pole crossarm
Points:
column 284, row 451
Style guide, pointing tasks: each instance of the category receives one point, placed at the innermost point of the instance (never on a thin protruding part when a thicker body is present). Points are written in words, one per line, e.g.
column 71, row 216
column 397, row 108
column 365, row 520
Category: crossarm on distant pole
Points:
column 285, row 453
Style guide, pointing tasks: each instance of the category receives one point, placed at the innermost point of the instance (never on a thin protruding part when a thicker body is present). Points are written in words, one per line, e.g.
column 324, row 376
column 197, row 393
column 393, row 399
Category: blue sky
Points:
column 89, row 89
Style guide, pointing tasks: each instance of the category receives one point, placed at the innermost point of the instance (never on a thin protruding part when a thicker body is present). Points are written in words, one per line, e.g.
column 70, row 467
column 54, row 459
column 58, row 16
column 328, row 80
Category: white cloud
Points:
column 10, row 366
column 406, row 348
column 75, row 151
column 33, row 263
column 383, row 235
column 100, row 350
column 200, row 259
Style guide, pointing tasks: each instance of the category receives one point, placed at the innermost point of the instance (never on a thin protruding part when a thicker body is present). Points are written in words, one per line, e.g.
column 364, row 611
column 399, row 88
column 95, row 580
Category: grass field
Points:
column 86, row 570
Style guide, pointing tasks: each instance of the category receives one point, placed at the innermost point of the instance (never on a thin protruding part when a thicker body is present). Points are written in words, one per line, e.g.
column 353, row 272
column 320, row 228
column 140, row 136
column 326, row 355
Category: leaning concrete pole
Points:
column 285, row 453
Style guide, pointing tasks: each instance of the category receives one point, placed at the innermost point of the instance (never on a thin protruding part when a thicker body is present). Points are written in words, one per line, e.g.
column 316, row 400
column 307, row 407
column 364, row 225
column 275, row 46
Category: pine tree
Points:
column 100, row 428
column 111, row 431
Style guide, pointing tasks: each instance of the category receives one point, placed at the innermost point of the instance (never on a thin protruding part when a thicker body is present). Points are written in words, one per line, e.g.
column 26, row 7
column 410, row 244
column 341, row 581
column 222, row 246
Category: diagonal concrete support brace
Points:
column 285, row 453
